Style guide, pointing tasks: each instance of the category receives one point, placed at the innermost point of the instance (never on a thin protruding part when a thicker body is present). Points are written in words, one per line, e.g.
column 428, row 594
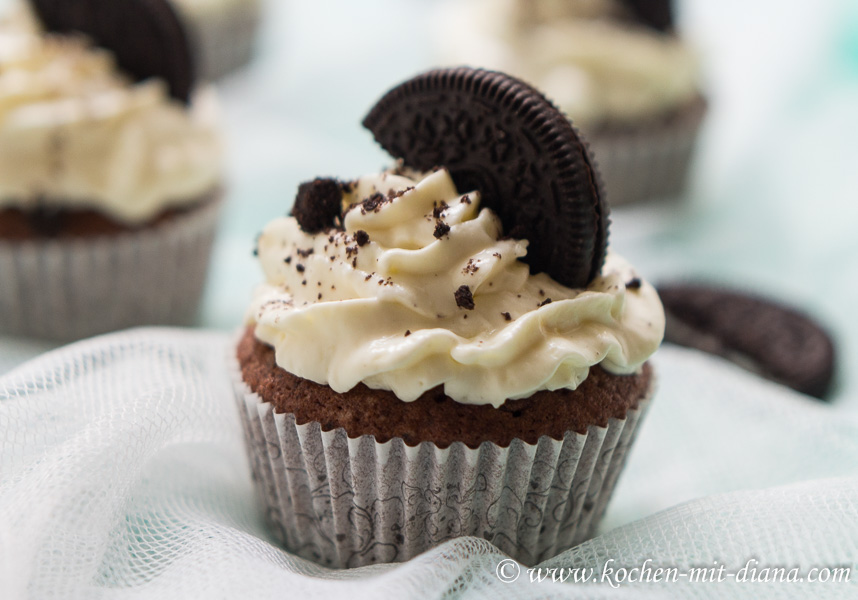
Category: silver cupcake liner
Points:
column 650, row 163
column 223, row 36
column 347, row 502
column 67, row 289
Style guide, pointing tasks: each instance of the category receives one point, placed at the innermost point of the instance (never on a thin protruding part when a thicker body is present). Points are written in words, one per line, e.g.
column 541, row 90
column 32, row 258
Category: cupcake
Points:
column 109, row 172
column 446, row 351
column 222, row 32
column 618, row 68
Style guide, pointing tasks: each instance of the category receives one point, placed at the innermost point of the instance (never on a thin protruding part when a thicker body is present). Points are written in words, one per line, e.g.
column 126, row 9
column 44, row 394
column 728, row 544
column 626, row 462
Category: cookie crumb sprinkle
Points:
column 634, row 284
column 361, row 237
column 441, row 229
column 464, row 297
column 471, row 268
column 506, row 316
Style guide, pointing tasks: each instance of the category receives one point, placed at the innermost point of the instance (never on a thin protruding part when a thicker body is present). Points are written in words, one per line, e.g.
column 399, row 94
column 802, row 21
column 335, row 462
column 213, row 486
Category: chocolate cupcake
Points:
column 616, row 67
column 109, row 171
column 433, row 353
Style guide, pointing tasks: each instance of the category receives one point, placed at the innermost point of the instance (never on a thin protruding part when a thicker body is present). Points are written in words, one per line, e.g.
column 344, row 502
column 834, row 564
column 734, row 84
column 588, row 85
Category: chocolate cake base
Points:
column 18, row 224
column 435, row 417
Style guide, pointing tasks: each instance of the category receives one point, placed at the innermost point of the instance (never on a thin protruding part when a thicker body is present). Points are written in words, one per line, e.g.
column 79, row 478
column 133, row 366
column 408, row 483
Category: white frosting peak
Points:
column 387, row 313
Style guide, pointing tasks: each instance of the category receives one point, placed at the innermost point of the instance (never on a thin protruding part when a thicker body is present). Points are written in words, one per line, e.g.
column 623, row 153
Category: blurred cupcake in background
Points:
column 617, row 66
column 222, row 33
column 110, row 168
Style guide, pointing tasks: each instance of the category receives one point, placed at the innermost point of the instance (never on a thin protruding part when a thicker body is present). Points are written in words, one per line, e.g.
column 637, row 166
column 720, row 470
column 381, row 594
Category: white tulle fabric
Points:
column 122, row 475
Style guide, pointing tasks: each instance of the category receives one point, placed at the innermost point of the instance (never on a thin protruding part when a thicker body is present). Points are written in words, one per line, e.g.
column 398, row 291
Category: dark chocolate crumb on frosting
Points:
column 464, row 297
column 318, row 204
column 441, row 229
column 634, row 284
column 361, row 237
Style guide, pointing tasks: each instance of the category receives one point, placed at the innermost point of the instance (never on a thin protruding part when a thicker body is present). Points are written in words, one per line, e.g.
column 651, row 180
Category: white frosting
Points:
column 598, row 66
column 76, row 133
column 386, row 314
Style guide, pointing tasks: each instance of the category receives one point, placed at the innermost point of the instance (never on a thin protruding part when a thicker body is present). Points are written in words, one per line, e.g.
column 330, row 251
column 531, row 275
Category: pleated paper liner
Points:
column 66, row 289
column 346, row 502
column 648, row 163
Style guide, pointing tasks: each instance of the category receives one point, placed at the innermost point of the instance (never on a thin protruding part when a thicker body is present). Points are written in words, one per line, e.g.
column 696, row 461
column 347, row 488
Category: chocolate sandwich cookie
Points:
column 145, row 36
column 498, row 135
column 658, row 14
column 776, row 341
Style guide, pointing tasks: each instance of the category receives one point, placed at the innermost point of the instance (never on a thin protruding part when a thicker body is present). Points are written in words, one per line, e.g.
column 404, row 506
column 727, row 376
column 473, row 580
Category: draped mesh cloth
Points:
column 122, row 475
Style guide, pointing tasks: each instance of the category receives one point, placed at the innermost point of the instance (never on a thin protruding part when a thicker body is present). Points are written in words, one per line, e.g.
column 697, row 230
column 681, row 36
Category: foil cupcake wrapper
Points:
column 222, row 36
column 652, row 163
column 70, row 289
column 346, row 502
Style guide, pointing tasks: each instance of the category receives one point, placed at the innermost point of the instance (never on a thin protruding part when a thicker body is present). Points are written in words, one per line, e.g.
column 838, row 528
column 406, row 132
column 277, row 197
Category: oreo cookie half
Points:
column 500, row 136
column 770, row 339
column 145, row 36
column 658, row 14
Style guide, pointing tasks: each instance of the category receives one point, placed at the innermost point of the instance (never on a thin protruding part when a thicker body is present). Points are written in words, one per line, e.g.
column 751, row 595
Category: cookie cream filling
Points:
column 419, row 288
column 75, row 133
column 589, row 57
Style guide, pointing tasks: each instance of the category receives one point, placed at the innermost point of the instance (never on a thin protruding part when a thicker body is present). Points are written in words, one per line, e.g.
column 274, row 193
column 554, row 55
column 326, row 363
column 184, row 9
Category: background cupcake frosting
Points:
column 592, row 58
column 76, row 133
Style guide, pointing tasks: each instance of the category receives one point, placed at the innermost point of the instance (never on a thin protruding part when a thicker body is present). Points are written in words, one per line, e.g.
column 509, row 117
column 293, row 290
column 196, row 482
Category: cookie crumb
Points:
column 464, row 297
column 507, row 316
column 544, row 302
column 407, row 332
column 471, row 267
column 439, row 208
column 361, row 237
column 372, row 203
column 318, row 204
column 634, row 284
column 441, row 229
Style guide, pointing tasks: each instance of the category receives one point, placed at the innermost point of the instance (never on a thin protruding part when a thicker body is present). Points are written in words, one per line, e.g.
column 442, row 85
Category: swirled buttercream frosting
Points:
column 76, row 133
column 420, row 288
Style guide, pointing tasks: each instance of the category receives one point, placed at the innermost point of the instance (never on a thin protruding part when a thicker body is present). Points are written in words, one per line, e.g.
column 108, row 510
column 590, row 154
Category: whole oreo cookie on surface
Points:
column 658, row 14
column 145, row 36
column 500, row 136
column 771, row 339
